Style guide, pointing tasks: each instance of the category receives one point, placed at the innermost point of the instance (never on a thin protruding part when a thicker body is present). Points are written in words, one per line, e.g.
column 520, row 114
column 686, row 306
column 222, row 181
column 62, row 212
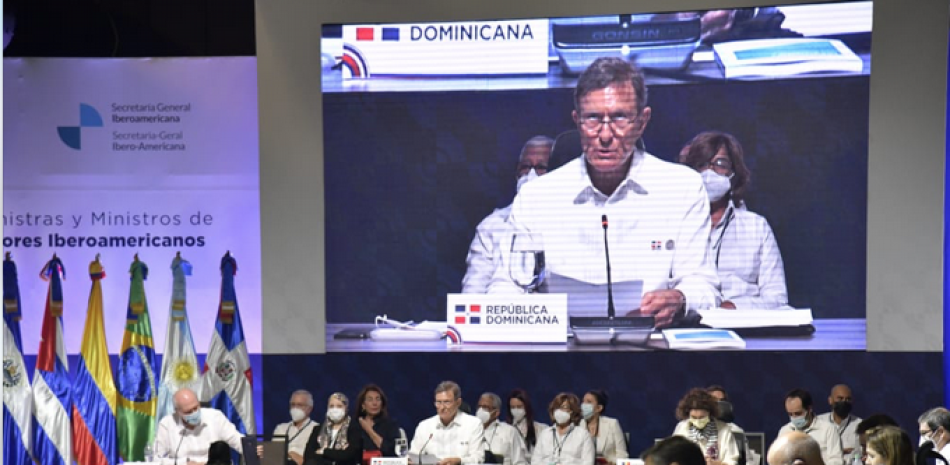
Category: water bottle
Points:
column 149, row 453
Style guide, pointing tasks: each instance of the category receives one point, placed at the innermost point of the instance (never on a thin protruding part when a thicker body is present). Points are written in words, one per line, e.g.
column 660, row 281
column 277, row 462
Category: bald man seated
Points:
column 183, row 438
column 844, row 422
column 795, row 448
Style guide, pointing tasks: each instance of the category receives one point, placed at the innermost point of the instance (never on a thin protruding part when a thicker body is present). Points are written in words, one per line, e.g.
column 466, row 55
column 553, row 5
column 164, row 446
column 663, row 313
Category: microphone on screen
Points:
column 423, row 450
column 611, row 312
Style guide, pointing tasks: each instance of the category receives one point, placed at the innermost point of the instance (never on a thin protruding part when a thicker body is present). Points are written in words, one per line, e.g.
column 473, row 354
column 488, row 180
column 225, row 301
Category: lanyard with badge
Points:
column 725, row 226
column 559, row 445
column 298, row 431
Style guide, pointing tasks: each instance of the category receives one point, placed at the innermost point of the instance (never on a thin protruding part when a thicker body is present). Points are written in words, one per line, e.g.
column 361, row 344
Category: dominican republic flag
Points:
column 137, row 388
column 52, row 401
column 94, row 435
column 179, row 364
column 226, row 379
column 17, row 397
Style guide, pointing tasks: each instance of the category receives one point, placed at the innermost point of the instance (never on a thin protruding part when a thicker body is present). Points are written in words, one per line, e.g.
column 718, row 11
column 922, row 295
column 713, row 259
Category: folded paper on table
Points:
column 784, row 321
column 785, row 57
column 702, row 339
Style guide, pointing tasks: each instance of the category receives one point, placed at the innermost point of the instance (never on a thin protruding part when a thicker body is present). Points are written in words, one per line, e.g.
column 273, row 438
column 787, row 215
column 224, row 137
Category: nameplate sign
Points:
column 512, row 318
column 474, row 48
column 389, row 461
column 629, row 462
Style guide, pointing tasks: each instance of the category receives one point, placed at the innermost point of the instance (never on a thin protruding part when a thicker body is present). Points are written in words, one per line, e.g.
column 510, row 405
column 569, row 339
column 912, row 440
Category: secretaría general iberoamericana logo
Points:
column 72, row 135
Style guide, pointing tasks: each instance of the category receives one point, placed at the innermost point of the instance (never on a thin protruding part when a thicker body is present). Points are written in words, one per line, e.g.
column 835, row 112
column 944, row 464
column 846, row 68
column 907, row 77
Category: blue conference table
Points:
column 830, row 334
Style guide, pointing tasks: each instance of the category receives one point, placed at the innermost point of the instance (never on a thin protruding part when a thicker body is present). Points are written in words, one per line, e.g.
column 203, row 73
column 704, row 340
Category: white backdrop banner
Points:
column 126, row 156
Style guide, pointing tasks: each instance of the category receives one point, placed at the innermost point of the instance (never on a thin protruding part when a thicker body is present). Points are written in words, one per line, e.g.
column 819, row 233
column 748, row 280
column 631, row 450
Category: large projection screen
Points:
column 905, row 166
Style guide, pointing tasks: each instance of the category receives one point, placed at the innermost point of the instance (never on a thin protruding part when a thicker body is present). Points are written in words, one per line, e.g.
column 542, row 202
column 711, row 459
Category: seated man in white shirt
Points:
column 183, row 438
column 845, row 423
column 935, row 427
column 298, row 430
column 501, row 439
column 658, row 211
column 798, row 405
column 452, row 436
column 481, row 260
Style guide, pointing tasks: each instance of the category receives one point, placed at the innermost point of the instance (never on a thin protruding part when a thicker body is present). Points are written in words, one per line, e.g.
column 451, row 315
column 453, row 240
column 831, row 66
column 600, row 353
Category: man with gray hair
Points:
column 658, row 211
column 481, row 261
column 795, row 448
column 935, row 427
column 503, row 442
column 297, row 430
column 451, row 436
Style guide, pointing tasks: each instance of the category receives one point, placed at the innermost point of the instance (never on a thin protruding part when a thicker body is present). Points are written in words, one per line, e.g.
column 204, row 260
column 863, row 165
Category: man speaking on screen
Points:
column 658, row 212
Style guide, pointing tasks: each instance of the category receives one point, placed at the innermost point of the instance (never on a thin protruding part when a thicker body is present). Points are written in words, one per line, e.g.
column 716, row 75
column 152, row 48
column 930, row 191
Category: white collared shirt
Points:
column 176, row 443
column 462, row 437
column 610, row 442
column 827, row 438
column 298, row 436
column 502, row 438
column 480, row 262
column 748, row 261
column 847, row 430
column 574, row 447
column 658, row 228
column 522, row 427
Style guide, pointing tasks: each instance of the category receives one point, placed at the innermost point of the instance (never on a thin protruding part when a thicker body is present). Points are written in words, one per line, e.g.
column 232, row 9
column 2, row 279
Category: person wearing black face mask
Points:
column 844, row 422
column 726, row 415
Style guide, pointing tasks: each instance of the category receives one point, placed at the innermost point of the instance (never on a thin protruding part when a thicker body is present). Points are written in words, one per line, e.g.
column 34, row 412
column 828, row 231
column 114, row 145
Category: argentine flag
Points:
column 179, row 364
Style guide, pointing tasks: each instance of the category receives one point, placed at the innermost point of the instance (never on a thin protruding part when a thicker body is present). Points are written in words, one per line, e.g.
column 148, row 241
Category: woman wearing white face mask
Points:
column 564, row 443
column 609, row 442
column 697, row 411
column 742, row 246
column 520, row 414
column 339, row 440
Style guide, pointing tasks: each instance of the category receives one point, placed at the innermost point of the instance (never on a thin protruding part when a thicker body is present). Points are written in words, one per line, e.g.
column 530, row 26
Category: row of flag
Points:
column 96, row 419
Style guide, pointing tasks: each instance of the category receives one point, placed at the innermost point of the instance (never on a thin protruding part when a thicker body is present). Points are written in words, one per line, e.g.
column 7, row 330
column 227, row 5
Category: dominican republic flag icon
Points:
column 468, row 314
column 369, row 33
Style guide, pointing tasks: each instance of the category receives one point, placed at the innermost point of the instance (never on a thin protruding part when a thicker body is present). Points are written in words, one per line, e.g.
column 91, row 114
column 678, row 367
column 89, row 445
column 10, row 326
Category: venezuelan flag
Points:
column 136, row 383
column 95, row 396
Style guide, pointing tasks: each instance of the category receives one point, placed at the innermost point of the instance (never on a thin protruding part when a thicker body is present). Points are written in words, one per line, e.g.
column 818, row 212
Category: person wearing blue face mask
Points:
column 741, row 243
column 798, row 405
column 609, row 442
column 184, row 437
column 481, row 261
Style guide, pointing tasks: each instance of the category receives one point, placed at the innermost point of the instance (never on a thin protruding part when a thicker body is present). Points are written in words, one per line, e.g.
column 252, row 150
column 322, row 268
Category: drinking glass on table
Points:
column 402, row 449
column 526, row 265
column 149, row 453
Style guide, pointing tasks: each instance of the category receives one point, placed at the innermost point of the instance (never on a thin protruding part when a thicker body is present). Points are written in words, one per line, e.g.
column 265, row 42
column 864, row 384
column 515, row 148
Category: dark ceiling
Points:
column 130, row 28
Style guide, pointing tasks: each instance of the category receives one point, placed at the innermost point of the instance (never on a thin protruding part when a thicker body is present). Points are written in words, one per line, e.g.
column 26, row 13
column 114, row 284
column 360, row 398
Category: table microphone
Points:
column 611, row 312
column 423, row 450
column 182, row 433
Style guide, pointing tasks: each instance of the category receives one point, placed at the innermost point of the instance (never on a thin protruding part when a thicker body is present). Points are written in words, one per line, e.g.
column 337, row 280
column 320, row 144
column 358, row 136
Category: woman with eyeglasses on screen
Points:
column 564, row 442
column 520, row 414
column 339, row 441
column 742, row 246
